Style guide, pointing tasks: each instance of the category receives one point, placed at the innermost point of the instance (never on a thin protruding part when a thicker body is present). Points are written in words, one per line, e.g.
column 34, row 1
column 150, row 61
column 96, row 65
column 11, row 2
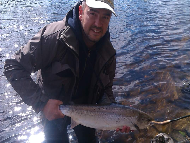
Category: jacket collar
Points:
column 70, row 39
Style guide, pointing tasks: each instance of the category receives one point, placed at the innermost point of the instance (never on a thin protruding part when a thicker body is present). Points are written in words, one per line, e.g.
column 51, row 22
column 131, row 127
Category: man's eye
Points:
column 92, row 13
column 106, row 17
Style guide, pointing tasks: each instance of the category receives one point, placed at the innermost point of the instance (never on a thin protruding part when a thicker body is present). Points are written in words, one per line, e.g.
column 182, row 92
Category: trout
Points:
column 106, row 117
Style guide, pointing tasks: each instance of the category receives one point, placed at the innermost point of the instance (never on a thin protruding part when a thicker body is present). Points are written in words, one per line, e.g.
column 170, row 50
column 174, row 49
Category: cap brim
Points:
column 99, row 4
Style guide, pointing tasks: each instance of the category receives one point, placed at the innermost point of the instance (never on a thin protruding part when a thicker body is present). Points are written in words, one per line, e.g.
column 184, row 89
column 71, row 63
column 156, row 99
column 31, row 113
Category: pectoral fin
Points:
column 73, row 123
column 99, row 133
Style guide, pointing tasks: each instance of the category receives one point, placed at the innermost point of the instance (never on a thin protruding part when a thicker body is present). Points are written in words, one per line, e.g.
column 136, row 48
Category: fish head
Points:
column 143, row 120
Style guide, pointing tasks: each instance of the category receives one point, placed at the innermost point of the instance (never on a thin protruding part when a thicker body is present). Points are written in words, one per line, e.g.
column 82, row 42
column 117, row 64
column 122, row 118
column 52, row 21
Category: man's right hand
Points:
column 51, row 109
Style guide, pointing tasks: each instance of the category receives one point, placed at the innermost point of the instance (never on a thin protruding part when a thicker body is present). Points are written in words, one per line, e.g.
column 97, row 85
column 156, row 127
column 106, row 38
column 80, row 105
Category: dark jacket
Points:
column 55, row 50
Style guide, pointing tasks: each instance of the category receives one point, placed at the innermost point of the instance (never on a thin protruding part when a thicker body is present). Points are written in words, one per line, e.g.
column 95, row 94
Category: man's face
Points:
column 94, row 22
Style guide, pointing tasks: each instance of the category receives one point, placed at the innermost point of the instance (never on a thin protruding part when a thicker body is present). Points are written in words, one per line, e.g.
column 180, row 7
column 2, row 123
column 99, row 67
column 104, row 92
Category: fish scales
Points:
column 107, row 117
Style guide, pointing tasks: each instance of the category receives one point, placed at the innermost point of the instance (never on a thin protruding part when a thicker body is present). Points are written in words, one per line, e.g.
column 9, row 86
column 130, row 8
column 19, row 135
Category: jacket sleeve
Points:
column 35, row 55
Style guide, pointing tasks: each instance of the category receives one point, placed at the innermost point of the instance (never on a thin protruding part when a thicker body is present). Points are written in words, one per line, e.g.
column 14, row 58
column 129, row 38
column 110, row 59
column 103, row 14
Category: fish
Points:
column 106, row 117
column 110, row 117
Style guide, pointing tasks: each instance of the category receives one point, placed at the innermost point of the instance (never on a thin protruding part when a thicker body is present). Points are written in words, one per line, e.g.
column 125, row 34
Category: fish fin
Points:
column 73, row 123
column 136, row 127
column 160, row 123
column 99, row 133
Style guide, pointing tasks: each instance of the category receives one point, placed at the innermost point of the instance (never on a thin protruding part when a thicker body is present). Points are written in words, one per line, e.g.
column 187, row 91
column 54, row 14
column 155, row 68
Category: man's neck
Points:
column 89, row 44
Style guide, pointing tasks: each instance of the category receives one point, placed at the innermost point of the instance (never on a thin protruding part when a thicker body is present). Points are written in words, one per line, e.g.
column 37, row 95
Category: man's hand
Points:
column 125, row 129
column 51, row 110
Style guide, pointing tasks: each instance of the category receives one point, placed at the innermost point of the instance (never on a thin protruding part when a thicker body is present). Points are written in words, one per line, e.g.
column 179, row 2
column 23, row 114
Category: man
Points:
column 76, row 63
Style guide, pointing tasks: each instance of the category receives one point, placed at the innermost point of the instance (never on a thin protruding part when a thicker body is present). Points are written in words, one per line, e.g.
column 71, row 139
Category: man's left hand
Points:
column 125, row 129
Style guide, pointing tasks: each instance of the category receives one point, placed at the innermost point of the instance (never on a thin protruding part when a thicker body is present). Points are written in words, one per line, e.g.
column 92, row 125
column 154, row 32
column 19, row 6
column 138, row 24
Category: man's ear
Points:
column 80, row 12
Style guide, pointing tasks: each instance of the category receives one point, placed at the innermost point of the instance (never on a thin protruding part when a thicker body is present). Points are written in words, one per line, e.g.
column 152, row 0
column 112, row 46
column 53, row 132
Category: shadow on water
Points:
column 152, row 40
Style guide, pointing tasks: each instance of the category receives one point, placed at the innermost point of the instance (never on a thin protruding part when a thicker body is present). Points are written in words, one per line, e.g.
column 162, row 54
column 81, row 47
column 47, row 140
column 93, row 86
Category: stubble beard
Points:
column 90, row 39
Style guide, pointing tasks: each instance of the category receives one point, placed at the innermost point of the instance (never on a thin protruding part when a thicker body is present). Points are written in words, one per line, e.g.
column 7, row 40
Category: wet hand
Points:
column 51, row 109
column 125, row 129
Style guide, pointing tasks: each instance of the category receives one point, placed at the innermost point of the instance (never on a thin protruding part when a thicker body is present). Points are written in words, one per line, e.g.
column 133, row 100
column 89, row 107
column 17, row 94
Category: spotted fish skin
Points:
column 106, row 117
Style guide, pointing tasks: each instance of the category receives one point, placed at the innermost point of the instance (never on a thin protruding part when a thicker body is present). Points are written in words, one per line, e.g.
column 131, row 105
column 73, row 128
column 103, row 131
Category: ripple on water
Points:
column 152, row 43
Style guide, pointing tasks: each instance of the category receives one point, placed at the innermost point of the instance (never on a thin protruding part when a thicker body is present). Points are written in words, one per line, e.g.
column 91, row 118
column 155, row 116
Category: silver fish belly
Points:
column 106, row 117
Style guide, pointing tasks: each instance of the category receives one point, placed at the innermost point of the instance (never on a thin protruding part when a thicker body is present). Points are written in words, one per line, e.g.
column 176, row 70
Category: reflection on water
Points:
column 152, row 39
column 20, row 20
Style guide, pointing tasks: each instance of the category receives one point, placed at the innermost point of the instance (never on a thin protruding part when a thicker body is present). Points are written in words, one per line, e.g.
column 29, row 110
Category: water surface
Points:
column 152, row 40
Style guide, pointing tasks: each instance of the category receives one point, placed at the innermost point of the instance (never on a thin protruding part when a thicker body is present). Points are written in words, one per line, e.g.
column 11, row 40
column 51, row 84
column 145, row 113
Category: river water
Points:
column 152, row 40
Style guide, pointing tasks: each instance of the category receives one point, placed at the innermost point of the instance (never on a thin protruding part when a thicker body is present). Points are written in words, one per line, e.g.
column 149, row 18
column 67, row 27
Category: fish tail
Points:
column 168, row 121
column 160, row 123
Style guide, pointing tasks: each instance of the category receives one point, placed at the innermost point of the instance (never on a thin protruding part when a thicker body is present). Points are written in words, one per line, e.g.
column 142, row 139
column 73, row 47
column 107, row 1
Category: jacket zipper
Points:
column 88, row 56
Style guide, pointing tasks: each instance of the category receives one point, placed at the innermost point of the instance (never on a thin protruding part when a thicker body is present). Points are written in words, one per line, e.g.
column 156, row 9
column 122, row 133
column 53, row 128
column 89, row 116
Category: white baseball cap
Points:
column 107, row 4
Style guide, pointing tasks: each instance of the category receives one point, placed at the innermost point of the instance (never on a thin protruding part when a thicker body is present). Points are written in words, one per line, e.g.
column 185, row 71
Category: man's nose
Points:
column 98, row 22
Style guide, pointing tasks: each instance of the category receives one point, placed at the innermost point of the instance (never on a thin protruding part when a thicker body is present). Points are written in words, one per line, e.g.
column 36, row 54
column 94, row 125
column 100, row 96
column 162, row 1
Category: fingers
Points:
column 125, row 129
column 117, row 130
column 51, row 110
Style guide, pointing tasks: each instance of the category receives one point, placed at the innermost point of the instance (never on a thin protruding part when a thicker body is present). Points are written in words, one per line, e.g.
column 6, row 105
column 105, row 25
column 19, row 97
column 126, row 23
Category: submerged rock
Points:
column 162, row 138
